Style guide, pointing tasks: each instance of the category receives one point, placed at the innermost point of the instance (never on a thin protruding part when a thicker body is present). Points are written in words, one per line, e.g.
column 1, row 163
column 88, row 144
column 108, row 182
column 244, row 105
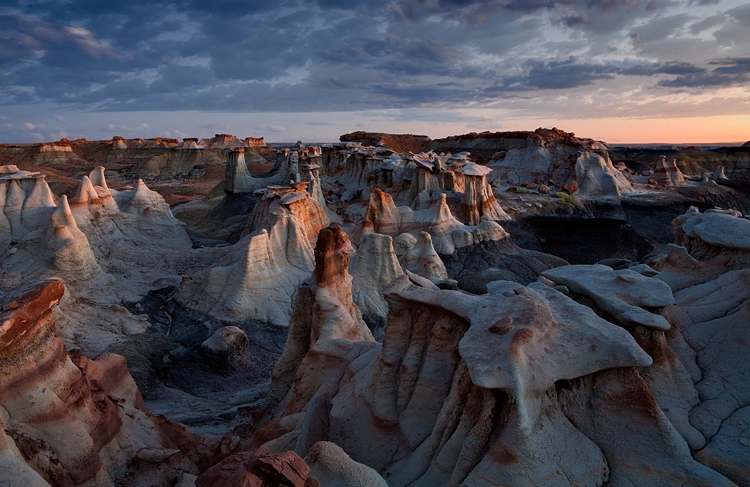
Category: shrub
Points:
column 565, row 197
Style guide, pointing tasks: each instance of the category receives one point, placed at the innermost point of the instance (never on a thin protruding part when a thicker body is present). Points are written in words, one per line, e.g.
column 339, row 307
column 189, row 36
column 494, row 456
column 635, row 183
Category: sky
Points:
column 622, row 71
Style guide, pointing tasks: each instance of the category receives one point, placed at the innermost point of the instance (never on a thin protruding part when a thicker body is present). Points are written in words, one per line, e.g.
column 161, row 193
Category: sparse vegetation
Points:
column 522, row 191
column 565, row 197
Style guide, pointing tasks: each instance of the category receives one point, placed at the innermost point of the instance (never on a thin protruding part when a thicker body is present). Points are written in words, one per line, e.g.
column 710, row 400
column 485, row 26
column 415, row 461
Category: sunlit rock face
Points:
column 516, row 157
column 471, row 389
column 261, row 278
column 478, row 203
column 325, row 324
column 295, row 200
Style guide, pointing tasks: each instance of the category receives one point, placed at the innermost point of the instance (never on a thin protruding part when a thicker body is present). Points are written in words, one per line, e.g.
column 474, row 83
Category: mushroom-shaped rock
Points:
column 118, row 143
column 294, row 200
column 472, row 169
column 719, row 229
column 479, row 204
column 621, row 293
column 544, row 335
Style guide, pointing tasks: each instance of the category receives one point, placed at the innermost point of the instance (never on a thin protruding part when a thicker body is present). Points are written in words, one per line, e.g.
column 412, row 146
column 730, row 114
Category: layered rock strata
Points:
column 667, row 173
column 69, row 420
column 467, row 390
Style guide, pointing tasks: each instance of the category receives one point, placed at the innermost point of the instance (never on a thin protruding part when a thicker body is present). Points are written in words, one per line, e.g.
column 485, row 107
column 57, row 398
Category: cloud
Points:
column 290, row 56
column 559, row 75
column 727, row 72
column 577, row 20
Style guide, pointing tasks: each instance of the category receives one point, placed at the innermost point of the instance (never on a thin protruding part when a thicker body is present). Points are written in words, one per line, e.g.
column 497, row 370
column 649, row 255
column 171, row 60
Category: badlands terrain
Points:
column 489, row 309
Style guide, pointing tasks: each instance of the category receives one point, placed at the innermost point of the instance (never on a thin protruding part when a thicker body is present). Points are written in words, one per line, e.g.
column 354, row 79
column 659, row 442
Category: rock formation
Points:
column 439, row 346
column 479, row 204
column 623, row 294
column 237, row 179
column 261, row 279
column 715, row 234
column 69, row 420
column 26, row 203
column 446, row 231
column 668, row 174
column 421, row 411
column 294, row 200
column 325, row 323
column 542, row 155
column 373, row 267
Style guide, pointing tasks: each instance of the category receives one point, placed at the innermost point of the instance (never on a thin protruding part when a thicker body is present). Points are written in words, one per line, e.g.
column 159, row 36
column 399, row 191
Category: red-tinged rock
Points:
column 27, row 309
column 570, row 187
column 283, row 467
column 332, row 253
column 233, row 471
column 257, row 469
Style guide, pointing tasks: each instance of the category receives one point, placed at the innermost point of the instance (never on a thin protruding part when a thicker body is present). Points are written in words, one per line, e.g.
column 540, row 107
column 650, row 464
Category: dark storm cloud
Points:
column 727, row 72
column 559, row 75
column 295, row 55
column 675, row 68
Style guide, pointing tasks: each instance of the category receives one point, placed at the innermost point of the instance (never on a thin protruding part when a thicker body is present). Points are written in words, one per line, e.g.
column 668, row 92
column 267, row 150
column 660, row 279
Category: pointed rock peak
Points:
column 86, row 193
column 62, row 215
column 332, row 252
column 40, row 195
column 424, row 261
column 97, row 178
column 443, row 210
